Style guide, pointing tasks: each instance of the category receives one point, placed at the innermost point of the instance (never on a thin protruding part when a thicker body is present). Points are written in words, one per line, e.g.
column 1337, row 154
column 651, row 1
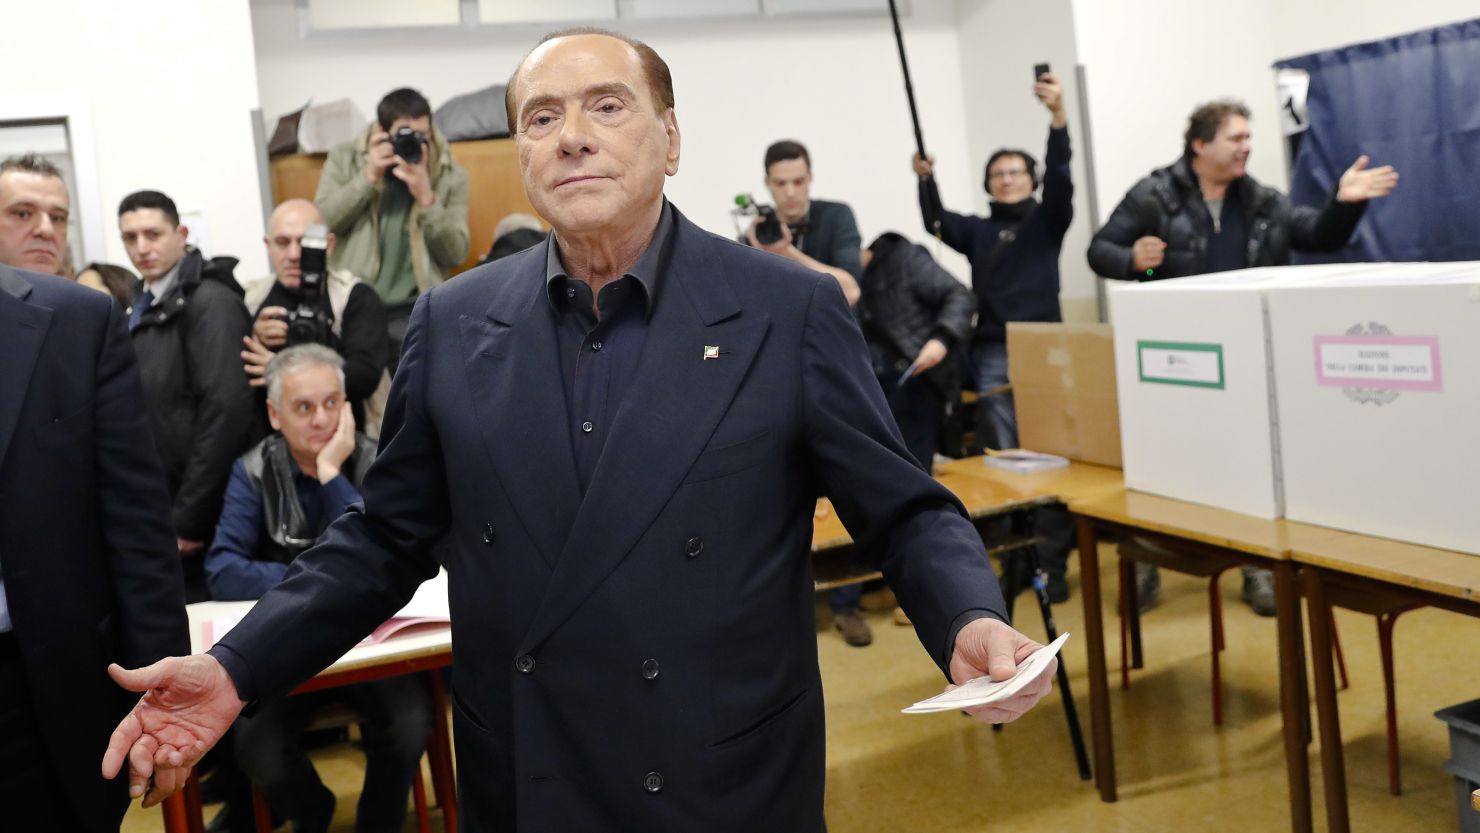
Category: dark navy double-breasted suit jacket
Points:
column 641, row 657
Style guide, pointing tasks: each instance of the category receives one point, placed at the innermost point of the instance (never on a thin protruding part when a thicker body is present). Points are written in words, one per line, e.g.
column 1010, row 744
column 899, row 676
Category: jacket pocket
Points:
column 714, row 463
column 760, row 726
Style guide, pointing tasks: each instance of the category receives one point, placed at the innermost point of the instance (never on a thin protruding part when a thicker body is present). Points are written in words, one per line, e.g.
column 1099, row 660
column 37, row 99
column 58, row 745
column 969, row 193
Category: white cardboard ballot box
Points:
column 1378, row 391
column 1193, row 371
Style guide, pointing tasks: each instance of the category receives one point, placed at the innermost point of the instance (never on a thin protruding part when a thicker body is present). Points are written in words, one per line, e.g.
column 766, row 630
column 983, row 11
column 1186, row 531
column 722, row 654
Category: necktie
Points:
column 141, row 306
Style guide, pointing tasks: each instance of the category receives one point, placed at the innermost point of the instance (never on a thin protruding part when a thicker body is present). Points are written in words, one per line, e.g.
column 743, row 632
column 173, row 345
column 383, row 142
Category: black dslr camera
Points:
column 407, row 144
column 768, row 230
column 312, row 321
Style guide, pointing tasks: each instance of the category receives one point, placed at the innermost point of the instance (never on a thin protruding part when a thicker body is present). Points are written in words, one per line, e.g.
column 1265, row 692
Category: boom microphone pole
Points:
column 930, row 202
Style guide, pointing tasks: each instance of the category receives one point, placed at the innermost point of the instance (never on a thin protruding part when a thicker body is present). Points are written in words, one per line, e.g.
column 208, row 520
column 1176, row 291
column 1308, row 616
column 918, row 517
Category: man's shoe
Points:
column 855, row 631
column 1148, row 586
column 1259, row 590
column 1058, row 588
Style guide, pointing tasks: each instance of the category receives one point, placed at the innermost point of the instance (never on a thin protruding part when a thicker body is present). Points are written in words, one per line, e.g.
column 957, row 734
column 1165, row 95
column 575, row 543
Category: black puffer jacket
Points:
column 909, row 299
column 200, row 405
column 1274, row 226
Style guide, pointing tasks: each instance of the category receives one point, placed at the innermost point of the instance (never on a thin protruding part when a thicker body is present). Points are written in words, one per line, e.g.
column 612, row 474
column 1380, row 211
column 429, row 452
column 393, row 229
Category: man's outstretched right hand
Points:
column 188, row 704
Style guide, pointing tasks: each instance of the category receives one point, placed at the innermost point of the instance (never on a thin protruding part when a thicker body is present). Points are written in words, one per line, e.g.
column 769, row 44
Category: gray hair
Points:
column 295, row 358
column 514, row 222
column 30, row 163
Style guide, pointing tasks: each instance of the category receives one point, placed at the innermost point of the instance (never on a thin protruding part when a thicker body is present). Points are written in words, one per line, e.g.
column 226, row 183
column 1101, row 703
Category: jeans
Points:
column 398, row 720
column 996, row 424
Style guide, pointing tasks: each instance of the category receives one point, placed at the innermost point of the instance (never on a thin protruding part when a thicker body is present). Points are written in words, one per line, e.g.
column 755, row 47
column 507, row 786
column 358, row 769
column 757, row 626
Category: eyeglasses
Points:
column 1008, row 174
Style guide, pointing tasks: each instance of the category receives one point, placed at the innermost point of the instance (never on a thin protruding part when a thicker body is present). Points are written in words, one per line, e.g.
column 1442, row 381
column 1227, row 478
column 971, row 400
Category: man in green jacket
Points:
column 401, row 218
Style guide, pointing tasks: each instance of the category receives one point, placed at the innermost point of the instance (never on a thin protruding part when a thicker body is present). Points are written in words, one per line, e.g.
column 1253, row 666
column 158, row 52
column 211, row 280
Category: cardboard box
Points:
column 1063, row 386
column 1193, row 367
column 1378, row 391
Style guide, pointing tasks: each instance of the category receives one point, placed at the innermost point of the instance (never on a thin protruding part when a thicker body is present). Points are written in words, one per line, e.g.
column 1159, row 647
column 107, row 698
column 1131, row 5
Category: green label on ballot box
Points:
column 1180, row 363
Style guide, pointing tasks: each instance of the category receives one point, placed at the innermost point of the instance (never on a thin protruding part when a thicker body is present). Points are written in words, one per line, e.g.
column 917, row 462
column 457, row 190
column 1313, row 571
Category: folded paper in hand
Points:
column 983, row 691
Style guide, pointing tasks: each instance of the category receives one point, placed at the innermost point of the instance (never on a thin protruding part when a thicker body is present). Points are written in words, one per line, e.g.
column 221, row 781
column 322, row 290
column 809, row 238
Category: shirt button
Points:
column 524, row 664
column 650, row 669
column 653, row 782
column 596, row 345
column 694, row 547
column 488, row 533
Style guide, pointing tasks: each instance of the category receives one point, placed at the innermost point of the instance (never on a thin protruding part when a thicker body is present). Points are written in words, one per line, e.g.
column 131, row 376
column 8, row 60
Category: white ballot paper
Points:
column 981, row 691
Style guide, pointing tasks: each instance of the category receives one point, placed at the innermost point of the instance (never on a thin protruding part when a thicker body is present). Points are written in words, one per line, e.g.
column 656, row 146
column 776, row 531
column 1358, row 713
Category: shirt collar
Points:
column 159, row 288
column 647, row 271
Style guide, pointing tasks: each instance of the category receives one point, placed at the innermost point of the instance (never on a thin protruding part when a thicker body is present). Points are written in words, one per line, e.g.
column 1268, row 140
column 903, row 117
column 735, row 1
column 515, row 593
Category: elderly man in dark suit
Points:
column 88, row 571
column 623, row 432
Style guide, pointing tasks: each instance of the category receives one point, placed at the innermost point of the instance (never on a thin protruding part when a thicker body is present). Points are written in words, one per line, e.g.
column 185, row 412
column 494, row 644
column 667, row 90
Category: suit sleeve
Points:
column 899, row 517
column 225, row 409
column 138, row 540
column 368, row 564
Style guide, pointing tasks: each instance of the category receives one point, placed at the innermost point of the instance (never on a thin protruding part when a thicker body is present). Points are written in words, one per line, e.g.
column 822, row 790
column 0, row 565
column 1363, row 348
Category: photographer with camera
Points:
column 399, row 205
column 820, row 235
column 303, row 302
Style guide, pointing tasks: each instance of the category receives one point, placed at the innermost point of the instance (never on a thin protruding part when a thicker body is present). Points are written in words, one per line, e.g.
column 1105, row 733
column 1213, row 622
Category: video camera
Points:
column 768, row 230
column 312, row 322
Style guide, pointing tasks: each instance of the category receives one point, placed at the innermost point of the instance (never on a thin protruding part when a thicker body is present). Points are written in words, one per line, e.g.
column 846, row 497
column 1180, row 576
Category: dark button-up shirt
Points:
column 599, row 353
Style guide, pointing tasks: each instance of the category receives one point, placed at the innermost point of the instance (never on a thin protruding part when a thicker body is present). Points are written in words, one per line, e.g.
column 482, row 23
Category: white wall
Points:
column 1000, row 43
column 833, row 83
column 1314, row 25
column 170, row 85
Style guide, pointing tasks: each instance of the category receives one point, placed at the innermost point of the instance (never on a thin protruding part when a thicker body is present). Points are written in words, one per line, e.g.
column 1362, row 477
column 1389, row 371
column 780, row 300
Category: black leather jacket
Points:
column 909, row 299
column 1274, row 226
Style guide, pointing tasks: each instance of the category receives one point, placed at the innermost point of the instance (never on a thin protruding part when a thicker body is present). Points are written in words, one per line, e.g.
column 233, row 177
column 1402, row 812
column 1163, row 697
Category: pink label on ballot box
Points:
column 1379, row 361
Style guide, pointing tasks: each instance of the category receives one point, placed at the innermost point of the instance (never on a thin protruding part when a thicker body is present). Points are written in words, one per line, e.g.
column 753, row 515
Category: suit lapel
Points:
column 24, row 327
column 667, row 416
column 513, row 370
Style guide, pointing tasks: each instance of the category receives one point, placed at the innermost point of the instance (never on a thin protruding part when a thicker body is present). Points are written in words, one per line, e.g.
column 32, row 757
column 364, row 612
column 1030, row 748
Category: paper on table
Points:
column 982, row 690
column 428, row 605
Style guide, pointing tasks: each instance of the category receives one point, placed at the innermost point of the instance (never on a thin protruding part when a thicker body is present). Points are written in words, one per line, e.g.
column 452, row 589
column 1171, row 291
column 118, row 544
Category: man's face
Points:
column 1008, row 180
column 307, row 410
column 790, row 181
column 285, row 242
column 593, row 149
column 33, row 221
column 1225, row 157
column 153, row 243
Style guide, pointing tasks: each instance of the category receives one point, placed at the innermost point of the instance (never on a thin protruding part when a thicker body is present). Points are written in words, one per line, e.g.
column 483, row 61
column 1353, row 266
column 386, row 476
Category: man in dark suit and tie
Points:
column 88, row 571
column 622, row 432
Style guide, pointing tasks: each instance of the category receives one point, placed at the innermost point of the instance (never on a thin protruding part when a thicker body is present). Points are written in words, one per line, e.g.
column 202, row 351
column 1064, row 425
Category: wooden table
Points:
column 422, row 651
column 1332, row 560
column 1078, row 481
column 983, row 498
column 1219, row 534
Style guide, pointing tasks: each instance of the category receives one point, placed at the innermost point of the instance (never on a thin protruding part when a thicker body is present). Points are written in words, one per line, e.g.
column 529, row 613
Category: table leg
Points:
column 1292, row 694
column 175, row 820
column 1333, row 764
column 1094, row 637
column 439, row 751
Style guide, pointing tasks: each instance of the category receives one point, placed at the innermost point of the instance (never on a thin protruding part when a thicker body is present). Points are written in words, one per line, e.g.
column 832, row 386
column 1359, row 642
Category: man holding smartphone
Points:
column 1014, row 256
